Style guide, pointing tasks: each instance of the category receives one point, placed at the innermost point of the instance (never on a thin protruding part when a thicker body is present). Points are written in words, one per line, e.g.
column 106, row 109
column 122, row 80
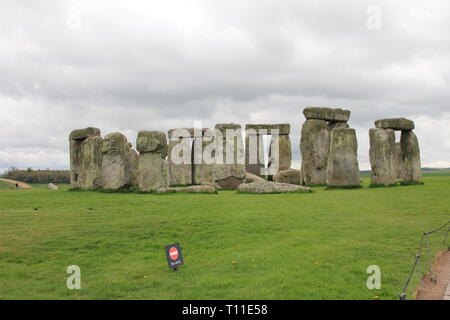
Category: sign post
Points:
column 174, row 256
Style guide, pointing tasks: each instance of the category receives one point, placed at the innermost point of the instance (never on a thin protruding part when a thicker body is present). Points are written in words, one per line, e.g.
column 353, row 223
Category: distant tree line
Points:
column 38, row 176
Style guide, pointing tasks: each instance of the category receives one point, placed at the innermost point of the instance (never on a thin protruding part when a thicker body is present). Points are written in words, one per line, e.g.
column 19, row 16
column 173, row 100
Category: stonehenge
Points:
column 153, row 168
column 118, row 162
column 206, row 159
column 229, row 171
column 390, row 160
column 280, row 151
column 382, row 155
column 314, row 148
column 343, row 167
column 322, row 147
column 86, row 158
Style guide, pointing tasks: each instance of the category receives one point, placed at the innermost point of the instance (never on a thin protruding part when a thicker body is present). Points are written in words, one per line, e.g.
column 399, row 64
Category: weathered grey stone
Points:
column 411, row 171
column 203, row 154
column 395, row 124
column 117, row 163
column 134, row 158
column 398, row 161
column 179, row 157
column 52, row 186
column 90, row 169
column 152, row 141
column 314, row 148
column 327, row 114
column 382, row 156
column 284, row 158
column 250, row 177
column 343, row 167
column 229, row 173
column 85, row 158
column 290, row 176
column 254, row 154
column 197, row 161
column 281, row 129
column 153, row 172
column 81, row 134
column 263, row 187
column 190, row 189
column 339, row 125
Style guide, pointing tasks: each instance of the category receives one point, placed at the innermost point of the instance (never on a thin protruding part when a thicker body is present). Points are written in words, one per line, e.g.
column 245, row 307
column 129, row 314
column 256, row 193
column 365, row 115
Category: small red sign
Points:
column 173, row 253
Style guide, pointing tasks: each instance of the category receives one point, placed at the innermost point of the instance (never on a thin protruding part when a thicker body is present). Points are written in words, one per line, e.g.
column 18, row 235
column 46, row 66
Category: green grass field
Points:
column 236, row 246
column 6, row 185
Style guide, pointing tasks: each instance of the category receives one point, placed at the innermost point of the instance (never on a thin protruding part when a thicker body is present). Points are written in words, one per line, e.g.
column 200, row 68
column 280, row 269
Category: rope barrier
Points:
column 433, row 278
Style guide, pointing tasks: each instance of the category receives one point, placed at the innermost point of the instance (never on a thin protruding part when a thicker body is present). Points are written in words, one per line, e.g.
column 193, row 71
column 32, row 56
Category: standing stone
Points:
column 207, row 167
column 256, row 163
column 284, row 152
column 197, row 160
column 343, row 168
column 383, row 157
column 117, row 164
column 134, row 158
column 229, row 173
column 314, row 148
column 86, row 158
column 180, row 166
column 398, row 161
column 153, row 169
column 411, row 171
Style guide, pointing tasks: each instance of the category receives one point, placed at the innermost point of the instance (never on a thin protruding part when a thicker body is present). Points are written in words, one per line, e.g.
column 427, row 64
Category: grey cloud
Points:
column 159, row 65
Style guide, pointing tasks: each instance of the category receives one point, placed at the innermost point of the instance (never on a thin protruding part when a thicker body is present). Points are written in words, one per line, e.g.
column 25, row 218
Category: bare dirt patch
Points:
column 22, row 185
column 436, row 291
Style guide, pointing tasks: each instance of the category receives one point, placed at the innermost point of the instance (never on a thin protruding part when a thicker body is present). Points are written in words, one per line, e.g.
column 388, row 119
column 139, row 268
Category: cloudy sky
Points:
column 131, row 65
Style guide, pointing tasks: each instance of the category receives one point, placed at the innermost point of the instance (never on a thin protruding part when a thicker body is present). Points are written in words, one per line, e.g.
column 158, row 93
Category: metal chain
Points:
column 433, row 278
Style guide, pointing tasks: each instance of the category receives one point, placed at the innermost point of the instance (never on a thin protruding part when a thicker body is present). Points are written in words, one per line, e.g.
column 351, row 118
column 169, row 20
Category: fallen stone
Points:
column 264, row 187
column 249, row 177
column 343, row 167
column 314, row 148
column 327, row 114
column 52, row 186
column 190, row 189
column 383, row 157
column 395, row 124
column 411, row 169
column 290, row 176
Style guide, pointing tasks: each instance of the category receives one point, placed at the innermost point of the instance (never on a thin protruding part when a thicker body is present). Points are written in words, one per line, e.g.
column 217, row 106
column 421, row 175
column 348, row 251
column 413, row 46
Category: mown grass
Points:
column 6, row 185
column 276, row 246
